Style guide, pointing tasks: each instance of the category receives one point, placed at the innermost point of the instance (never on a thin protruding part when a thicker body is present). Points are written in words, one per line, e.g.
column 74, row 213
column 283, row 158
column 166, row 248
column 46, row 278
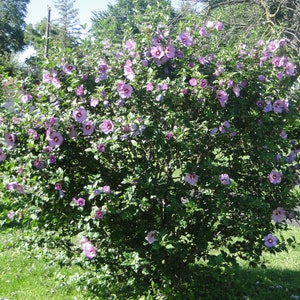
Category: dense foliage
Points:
column 12, row 24
column 261, row 15
column 145, row 158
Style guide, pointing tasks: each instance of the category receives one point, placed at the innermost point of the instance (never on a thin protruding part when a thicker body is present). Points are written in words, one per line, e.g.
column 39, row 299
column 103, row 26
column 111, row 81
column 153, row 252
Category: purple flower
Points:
column 103, row 67
column 80, row 114
column 261, row 78
column 47, row 78
column 128, row 72
column 225, row 179
column 2, row 155
column 292, row 156
column 278, row 106
column 55, row 139
column 283, row 61
column 106, row 189
column 170, row 51
column 10, row 186
column 276, row 61
column 222, row 96
column 39, row 164
column 68, row 69
column 191, row 178
column 149, row 87
column 11, row 214
column 107, row 126
column 275, row 177
column 222, row 129
column 124, row 90
column 260, row 43
column 33, row 133
column 80, row 201
column 219, row 26
column 89, row 250
column 283, row 135
column 273, row 45
column 94, row 102
column 193, row 81
column 157, row 51
column 270, row 240
column 279, row 75
column 210, row 24
column 150, row 238
column 9, row 139
column 130, row 44
column 98, row 213
column 203, row 83
column 179, row 54
column 87, row 127
column 236, row 91
column 226, row 124
column 56, row 82
column 80, row 91
column 144, row 62
column 290, row 69
column 282, row 42
column 15, row 186
column 58, row 186
column 203, row 32
column 98, row 191
column 259, row 103
column 26, row 98
column 268, row 107
column 279, row 214
column 83, row 240
column 101, row 147
column 168, row 136
column 185, row 39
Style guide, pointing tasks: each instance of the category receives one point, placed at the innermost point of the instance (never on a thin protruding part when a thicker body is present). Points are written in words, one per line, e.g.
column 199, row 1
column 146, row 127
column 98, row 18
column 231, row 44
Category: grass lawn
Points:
column 23, row 276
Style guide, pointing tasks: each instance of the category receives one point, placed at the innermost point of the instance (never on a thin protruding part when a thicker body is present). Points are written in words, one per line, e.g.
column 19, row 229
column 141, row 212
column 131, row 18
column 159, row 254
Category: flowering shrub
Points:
column 157, row 151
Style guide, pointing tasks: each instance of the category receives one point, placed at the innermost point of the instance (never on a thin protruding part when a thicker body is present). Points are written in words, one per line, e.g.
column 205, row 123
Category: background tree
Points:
column 12, row 24
column 35, row 36
column 267, row 17
column 67, row 24
column 127, row 14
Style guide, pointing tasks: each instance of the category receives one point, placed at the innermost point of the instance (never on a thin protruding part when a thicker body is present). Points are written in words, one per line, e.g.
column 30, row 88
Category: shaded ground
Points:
column 295, row 222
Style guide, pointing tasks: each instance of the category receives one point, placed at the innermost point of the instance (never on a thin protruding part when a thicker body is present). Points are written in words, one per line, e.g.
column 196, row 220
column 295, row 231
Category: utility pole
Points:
column 47, row 32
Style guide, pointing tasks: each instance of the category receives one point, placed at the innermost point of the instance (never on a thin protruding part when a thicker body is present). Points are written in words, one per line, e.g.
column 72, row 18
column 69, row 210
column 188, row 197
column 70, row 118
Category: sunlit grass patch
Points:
column 24, row 276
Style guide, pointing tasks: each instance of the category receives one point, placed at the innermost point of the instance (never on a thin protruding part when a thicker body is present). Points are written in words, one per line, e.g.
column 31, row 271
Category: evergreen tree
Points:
column 67, row 24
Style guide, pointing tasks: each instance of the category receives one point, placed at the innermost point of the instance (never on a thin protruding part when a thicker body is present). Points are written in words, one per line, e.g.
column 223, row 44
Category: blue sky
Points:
column 37, row 9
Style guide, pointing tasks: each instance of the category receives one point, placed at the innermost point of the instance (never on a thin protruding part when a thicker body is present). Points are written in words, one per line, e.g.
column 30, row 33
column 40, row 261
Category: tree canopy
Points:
column 126, row 14
column 67, row 24
column 267, row 16
column 12, row 24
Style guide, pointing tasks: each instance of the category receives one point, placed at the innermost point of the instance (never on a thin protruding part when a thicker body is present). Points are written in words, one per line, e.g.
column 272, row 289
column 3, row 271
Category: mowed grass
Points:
column 23, row 276
column 279, row 281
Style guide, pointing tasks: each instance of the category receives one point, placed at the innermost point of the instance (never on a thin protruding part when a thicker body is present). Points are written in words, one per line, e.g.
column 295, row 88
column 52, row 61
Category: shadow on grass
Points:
column 280, row 281
column 241, row 283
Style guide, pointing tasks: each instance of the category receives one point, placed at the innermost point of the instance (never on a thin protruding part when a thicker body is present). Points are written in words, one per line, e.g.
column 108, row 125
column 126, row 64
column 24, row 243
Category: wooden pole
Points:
column 47, row 33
